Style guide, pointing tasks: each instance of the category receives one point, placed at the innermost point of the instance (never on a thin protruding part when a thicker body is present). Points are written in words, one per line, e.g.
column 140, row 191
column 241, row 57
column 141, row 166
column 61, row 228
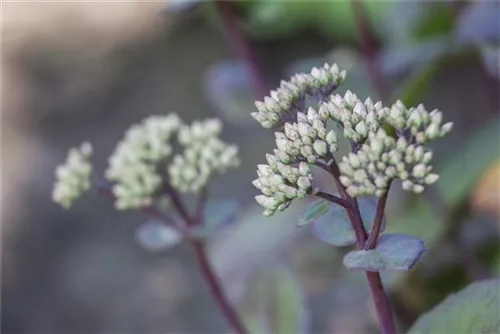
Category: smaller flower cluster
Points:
column 284, row 101
column 73, row 177
column 132, row 166
column 204, row 154
column 320, row 81
column 280, row 184
column 307, row 139
column 382, row 159
column 356, row 117
column 418, row 122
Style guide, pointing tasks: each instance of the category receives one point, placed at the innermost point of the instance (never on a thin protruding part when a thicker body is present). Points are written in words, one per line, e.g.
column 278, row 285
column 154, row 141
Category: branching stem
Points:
column 371, row 242
column 334, row 199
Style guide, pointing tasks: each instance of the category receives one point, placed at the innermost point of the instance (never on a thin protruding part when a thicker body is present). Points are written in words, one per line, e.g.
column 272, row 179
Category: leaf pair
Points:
column 329, row 223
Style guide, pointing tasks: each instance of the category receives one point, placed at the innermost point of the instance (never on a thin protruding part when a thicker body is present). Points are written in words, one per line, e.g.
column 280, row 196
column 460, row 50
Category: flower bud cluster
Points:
column 281, row 183
column 132, row 166
column 73, row 177
column 382, row 159
column 356, row 117
column 286, row 99
column 203, row 155
column 417, row 122
column 307, row 140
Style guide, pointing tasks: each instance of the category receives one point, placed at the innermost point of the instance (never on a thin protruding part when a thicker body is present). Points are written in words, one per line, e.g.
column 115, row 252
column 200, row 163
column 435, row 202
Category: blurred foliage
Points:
column 268, row 19
column 472, row 310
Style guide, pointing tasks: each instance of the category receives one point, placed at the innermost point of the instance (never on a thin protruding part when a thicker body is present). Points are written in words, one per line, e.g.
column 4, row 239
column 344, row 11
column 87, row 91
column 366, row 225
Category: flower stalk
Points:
column 375, row 160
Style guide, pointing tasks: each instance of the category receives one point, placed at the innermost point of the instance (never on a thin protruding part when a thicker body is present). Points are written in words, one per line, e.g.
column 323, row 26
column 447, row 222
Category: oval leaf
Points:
column 393, row 252
column 472, row 310
column 331, row 223
column 155, row 236
column 315, row 210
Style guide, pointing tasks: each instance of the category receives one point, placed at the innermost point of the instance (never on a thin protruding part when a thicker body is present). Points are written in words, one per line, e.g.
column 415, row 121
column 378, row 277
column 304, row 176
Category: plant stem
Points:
column 380, row 299
column 241, row 46
column 384, row 313
column 215, row 287
column 371, row 242
column 334, row 199
column 202, row 260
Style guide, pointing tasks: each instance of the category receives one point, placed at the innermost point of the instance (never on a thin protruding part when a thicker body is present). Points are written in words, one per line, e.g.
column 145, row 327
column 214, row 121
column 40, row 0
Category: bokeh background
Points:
column 75, row 71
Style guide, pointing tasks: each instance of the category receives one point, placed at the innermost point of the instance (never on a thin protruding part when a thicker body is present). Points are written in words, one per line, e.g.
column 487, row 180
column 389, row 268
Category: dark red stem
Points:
column 380, row 299
column 371, row 242
column 241, row 46
column 384, row 313
column 334, row 199
column 215, row 288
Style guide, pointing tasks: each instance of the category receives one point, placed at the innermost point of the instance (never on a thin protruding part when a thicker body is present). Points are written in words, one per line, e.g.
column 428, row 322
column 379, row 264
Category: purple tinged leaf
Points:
column 330, row 223
column 393, row 252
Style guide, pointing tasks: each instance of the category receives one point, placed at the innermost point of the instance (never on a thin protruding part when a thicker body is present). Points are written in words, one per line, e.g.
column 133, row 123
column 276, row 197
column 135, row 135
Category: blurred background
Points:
column 75, row 71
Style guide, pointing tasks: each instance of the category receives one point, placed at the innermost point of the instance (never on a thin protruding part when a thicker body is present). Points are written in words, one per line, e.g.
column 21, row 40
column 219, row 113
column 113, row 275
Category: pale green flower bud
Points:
column 432, row 131
column 282, row 157
column 320, row 147
column 431, row 178
column 345, row 180
column 304, row 183
column 407, row 185
column 361, row 129
column 269, row 203
column 304, row 169
column 331, row 137
column 419, row 171
column 418, row 188
column 446, row 128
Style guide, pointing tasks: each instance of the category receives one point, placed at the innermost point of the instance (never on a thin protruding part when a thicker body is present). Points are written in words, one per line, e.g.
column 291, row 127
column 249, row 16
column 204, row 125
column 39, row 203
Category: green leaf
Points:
column 275, row 302
column 475, row 309
column 314, row 211
column 463, row 166
column 331, row 224
column 155, row 236
column 436, row 19
column 393, row 252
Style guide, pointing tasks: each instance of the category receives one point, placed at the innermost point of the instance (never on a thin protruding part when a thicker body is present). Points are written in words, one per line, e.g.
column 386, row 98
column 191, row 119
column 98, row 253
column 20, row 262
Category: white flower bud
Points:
column 419, row 171
column 361, row 129
column 331, row 137
column 418, row 188
column 407, row 185
column 269, row 203
column 432, row 131
column 345, row 180
column 431, row 178
column 446, row 128
column 304, row 183
column 320, row 147
column 304, row 169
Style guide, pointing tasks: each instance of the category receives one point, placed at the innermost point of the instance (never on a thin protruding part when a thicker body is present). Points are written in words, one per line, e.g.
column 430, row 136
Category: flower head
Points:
column 283, row 103
column 132, row 166
column 357, row 118
column 73, row 177
column 204, row 154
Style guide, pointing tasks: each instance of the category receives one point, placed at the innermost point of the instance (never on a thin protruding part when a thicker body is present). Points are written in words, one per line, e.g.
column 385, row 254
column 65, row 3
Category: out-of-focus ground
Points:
column 80, row 71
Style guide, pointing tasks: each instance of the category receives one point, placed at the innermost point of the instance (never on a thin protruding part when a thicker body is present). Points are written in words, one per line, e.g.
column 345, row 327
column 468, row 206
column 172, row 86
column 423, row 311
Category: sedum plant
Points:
column 145, row 170
column 307, row 137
